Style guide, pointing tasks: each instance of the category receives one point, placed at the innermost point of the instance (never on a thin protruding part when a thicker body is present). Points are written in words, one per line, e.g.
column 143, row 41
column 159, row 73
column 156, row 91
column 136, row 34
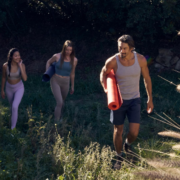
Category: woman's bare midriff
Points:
column 15, row 81
column 62, row 76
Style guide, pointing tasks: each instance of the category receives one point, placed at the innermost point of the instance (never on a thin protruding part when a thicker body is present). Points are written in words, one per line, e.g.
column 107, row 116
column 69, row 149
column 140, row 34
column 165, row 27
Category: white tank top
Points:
column 128, row 79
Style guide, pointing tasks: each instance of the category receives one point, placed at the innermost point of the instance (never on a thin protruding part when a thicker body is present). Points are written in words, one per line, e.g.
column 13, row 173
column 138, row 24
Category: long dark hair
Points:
column 9, row 58
column 67, row 43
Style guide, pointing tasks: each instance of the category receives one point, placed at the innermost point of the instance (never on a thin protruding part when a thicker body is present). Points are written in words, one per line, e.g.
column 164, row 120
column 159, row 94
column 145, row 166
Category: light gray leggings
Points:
column 60, row 89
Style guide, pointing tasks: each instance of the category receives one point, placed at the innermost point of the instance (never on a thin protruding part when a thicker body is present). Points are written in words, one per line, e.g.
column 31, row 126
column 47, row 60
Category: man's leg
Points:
column 131, row 137
column 117, row 138
column 133, row 132
column 117, row 118
column 133, row 114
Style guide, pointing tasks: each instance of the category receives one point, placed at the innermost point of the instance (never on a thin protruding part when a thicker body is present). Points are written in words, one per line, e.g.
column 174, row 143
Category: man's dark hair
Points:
column 127, row 39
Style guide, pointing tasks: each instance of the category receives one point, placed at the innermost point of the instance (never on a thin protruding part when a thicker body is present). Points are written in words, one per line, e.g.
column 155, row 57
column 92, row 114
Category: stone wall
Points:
column 166, row 58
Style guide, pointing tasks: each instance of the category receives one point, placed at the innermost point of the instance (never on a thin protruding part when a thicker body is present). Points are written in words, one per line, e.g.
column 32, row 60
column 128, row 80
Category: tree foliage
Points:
column 145, row 19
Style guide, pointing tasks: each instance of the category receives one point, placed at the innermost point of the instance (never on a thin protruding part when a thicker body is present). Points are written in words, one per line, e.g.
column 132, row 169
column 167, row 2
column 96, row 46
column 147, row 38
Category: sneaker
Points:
column 129, row 153
column 117, row 165
column 127, row 148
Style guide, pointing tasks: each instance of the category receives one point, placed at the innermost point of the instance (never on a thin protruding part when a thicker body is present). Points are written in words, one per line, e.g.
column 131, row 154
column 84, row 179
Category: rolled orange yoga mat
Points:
column 114, row 97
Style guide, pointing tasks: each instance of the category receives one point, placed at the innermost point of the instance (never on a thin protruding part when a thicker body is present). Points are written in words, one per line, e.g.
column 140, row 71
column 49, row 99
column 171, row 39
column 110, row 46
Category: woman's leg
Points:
column 15, row 104
column 56, row 90
column 64, row 91
column 65, row 88
column 10, row 95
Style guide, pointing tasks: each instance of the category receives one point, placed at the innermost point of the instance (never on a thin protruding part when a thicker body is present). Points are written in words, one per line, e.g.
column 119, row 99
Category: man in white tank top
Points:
column 127, row 65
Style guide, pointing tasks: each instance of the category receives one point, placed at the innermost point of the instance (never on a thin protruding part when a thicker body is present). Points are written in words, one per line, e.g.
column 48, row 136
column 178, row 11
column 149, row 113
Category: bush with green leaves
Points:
column 146, row 20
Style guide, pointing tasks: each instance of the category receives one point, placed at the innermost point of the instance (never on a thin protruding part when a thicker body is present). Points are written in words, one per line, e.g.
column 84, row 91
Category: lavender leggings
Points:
column 14, row 94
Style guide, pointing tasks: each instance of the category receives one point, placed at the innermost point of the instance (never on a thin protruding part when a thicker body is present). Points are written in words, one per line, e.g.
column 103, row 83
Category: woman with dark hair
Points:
column 14, row 70
column 64, row 73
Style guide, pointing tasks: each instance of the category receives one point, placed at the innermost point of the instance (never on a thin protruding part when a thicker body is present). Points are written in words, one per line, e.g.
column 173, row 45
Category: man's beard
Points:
column 123, row 55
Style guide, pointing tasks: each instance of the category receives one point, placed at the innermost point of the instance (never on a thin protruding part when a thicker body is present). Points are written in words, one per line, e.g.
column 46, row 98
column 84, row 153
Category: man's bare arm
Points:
column 147, row 83
column 109, row 64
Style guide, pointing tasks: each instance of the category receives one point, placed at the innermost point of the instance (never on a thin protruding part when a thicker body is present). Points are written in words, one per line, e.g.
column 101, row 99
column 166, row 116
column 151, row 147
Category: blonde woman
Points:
column 65, row 65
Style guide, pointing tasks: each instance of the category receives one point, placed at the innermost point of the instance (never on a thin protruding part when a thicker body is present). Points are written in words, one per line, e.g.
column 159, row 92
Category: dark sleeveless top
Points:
column 64, row 70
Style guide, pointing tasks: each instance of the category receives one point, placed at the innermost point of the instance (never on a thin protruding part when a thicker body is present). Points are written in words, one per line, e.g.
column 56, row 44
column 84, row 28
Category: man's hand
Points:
column 150, row 106
column 147, row 82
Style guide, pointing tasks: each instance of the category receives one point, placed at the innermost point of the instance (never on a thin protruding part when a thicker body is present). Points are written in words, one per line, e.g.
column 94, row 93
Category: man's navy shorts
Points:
column 130, row 108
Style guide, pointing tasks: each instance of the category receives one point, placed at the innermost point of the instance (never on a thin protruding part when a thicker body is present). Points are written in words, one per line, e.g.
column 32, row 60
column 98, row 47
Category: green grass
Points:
column 34, row 150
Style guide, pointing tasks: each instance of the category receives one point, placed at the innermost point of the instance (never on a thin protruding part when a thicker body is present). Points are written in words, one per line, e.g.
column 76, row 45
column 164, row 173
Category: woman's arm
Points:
column 3, row 80
column 51, row 60
column 23, row 71
column 72, row 76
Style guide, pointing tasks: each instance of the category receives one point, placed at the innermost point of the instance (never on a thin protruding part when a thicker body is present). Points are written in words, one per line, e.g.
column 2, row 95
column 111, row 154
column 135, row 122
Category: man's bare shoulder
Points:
column 142, row 60
column 111, row 61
